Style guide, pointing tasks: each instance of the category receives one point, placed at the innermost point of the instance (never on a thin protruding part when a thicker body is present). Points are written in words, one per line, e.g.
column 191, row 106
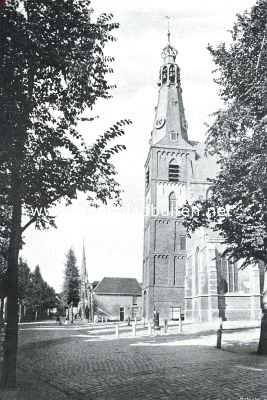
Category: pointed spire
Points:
column 169, row 53
column 169, row 33
column 170, row 126
column 84, row 269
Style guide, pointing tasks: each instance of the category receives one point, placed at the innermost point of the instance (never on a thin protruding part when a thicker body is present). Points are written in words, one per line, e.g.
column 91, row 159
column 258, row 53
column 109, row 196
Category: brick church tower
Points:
column 190, row 275
column 167, row 183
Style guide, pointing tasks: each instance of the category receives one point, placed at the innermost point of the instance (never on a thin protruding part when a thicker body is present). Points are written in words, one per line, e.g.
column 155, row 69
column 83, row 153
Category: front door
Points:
column 121, row 313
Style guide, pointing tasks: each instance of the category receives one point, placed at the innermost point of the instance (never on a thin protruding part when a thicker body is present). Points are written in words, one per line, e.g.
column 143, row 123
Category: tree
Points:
column 71, row 288
column 36, row 292
column 24, row 280
column 238, row 139
column 53, row 70
column 36, row 297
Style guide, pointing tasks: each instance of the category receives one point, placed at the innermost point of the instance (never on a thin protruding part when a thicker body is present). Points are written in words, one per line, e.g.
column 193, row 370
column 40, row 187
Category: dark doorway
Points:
column 121, row 313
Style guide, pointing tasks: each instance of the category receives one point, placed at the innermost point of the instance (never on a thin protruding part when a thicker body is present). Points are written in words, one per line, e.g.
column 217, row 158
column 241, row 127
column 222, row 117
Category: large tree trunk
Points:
column 8, row 379
column 262, row 347
column 2, row 302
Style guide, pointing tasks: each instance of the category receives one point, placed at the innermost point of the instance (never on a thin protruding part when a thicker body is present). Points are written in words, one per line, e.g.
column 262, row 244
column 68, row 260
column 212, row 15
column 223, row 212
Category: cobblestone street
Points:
column 78, row 363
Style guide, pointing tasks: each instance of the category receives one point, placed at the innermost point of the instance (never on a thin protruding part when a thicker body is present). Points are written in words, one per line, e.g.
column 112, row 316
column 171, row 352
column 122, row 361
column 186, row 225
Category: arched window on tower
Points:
column 174, row 171
column 232, row 276
column 178, row 75
column 196, row 271
column 172, row 73
column 228, row 275
column 164, row 74
column 172, row 204
column 147, row 177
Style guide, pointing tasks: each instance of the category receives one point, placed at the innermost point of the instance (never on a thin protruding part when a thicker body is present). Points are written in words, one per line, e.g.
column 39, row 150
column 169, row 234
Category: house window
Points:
column 182, row 243
column 172, row 204
column 174, row 172
column 134, row 300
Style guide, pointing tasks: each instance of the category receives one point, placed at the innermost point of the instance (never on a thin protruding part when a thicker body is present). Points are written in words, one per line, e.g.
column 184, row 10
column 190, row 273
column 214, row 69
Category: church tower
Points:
column 167, row 175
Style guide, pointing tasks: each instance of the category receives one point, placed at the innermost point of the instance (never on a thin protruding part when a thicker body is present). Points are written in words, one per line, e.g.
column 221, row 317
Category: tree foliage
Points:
column 238, row 139
column 53, row 70
column 71, row 288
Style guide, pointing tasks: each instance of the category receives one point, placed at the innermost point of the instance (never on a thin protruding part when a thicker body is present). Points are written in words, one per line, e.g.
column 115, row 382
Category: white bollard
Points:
column 134, row 330
column 180, row 325
column 117, row 330
column 165, row 326
column 149, row 328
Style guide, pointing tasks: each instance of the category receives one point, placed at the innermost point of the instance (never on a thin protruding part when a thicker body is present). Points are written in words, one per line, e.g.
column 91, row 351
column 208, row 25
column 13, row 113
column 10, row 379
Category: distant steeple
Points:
column 170, row 126
column 84, row 295
column 84, row 276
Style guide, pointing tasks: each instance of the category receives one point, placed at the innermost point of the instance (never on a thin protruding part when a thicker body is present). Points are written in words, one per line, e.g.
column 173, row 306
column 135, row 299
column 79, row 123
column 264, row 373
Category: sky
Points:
column 113, row 237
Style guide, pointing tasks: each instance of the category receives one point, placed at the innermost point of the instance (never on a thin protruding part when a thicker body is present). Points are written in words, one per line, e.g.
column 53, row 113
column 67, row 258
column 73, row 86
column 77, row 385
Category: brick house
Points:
column 118, row 298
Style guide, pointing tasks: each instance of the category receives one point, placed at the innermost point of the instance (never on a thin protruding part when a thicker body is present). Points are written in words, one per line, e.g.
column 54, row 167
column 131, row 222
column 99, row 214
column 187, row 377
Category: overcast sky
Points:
column 114, row 238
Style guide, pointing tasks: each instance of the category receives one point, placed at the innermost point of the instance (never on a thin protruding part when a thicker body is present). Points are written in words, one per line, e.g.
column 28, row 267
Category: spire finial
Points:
column 169, row 33
column 169, row 52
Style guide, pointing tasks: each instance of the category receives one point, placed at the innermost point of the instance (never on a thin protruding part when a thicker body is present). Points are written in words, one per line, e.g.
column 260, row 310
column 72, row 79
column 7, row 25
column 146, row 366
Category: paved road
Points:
column 75, row 363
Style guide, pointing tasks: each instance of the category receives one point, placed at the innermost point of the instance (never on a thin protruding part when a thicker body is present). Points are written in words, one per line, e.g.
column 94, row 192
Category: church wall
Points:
column 167, row 297
column 216, row 288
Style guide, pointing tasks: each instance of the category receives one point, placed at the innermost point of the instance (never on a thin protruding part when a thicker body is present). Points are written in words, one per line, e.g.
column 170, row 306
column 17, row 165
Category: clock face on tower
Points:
column 160, row 123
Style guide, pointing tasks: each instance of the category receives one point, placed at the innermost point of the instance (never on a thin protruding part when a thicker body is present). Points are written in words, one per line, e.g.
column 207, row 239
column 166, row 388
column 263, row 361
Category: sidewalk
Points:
column 107, row 331
column 64, row 370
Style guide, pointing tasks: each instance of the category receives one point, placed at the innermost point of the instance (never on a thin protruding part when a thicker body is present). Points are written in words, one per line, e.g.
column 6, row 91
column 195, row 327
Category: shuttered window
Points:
column 174, row 172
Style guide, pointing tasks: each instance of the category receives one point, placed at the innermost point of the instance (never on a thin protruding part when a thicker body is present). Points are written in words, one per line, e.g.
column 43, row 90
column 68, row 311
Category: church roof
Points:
column 120, row 286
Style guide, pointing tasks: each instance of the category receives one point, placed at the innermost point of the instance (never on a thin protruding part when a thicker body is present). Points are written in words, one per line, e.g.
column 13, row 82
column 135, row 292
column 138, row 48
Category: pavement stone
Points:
column 72, row 364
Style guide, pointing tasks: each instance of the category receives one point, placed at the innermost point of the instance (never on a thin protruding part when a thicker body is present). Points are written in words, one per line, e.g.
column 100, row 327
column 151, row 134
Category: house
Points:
column 117, row 299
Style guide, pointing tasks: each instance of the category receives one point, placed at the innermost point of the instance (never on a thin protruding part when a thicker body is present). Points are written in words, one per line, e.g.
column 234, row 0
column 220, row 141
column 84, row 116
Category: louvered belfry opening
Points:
column 174, row 172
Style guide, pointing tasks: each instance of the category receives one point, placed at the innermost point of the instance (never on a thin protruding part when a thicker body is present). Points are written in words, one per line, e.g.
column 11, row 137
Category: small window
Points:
column 134, row 300
column 172, row 74
column 173, row 135
column 174, row 172
column 182, row 243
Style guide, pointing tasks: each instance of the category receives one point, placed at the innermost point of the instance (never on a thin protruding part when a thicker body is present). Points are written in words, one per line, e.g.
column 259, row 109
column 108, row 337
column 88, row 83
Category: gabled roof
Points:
column 119, row 286
column 95, row 283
